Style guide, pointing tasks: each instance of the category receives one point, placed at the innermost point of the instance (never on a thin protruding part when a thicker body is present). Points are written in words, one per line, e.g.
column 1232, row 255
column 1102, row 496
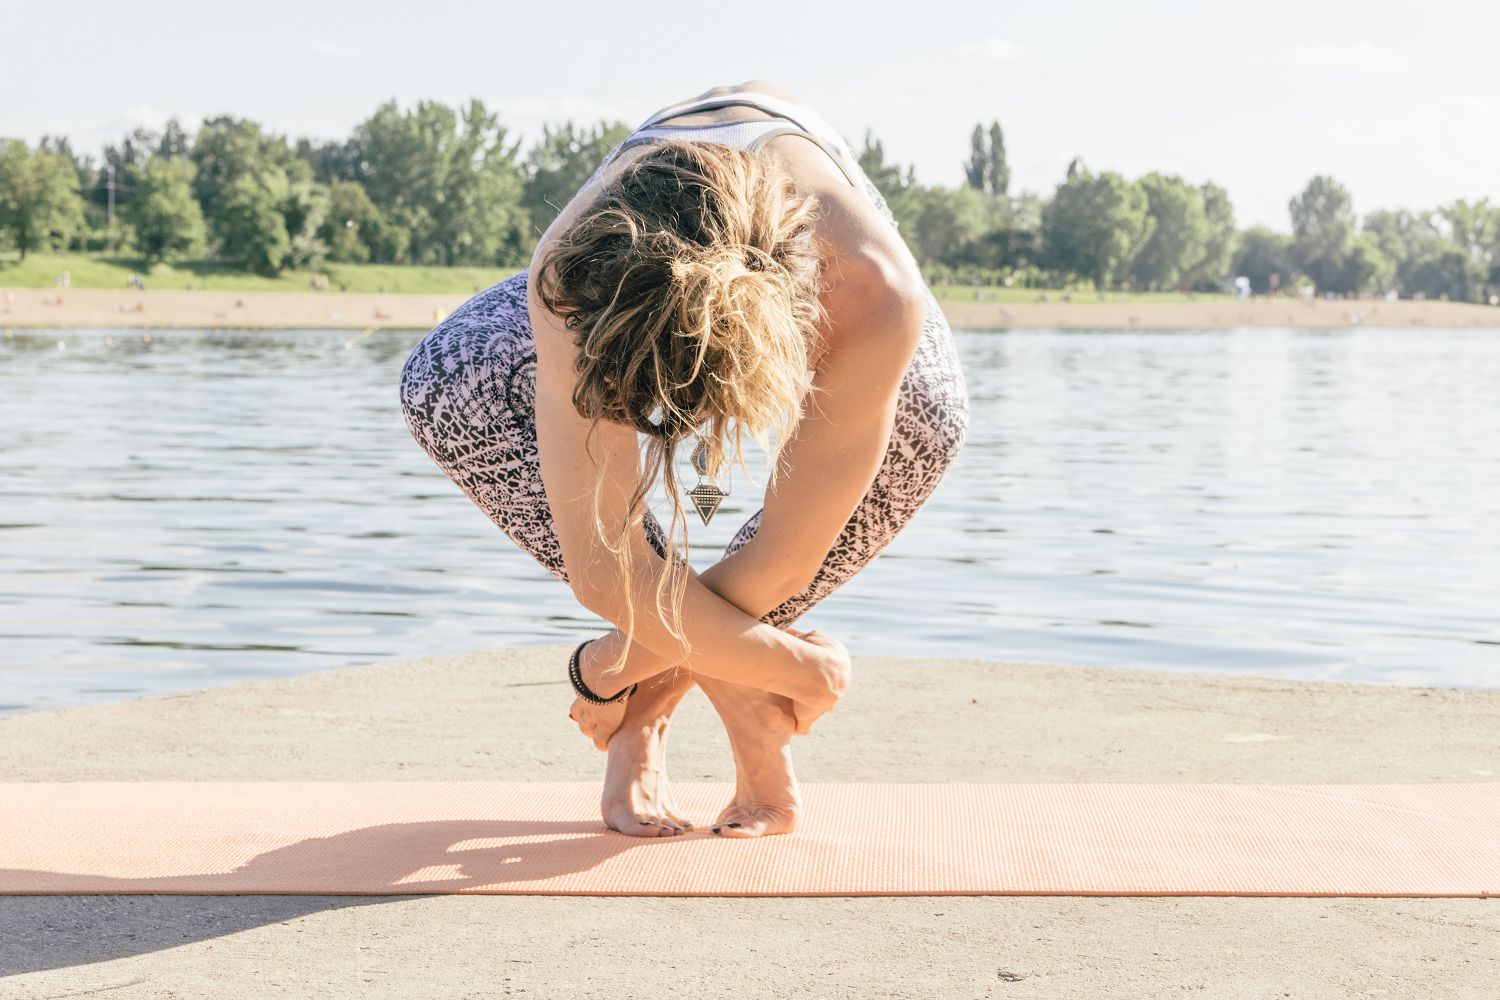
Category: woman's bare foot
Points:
column 637, row 800
column 760, row 727
column 597, row 722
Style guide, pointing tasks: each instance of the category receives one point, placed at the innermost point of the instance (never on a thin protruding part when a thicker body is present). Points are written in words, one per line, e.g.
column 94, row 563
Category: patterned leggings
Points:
column 468, row 391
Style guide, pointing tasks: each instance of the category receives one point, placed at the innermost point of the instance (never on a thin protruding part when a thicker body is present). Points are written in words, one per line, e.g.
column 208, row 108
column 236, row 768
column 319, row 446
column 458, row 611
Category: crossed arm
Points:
column 876, row 313
column 824, row 471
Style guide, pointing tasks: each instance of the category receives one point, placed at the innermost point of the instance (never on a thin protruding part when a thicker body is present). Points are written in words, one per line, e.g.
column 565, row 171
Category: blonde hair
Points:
column 691, row 285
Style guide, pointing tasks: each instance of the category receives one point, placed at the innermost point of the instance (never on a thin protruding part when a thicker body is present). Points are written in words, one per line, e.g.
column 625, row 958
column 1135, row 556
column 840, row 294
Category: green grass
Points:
column 1081, row 296
column 41, row 270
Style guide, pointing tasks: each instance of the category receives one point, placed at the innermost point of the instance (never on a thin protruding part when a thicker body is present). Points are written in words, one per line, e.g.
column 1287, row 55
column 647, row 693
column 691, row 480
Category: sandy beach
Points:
column 500, row 715
column 92, row 308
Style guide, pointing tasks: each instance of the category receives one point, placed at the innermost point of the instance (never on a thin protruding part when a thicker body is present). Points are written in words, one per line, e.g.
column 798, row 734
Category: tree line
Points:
column 441, row 185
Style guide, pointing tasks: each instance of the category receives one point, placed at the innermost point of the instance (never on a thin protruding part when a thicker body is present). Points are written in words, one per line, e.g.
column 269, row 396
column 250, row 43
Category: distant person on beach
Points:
column 728, row 272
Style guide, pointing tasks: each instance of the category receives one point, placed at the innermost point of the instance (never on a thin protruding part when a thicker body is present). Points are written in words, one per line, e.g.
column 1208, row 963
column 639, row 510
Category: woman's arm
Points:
column 828, row 466
column 725, row 642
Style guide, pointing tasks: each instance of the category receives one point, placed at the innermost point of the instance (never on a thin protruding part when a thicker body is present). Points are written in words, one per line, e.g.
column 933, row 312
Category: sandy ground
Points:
column 81, row 308
column 502, row 716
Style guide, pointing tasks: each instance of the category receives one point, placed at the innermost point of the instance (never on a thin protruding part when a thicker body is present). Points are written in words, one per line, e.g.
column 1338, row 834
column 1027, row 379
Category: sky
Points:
column 1399, row 102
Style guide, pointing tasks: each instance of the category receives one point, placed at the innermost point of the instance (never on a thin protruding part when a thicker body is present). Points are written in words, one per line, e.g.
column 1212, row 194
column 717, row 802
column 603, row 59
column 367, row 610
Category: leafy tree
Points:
column 250, row 224
column 1474, row 227
column 168, row 222
column 39, row 202
column 451, row 178
column 1219, row 247
column 1428, row 263
column 1265, row 257
column 61, row 145
column 1397, row 232
column 350, row 213
column 91, row 189
column 1179, row 233
column 1367, row 270
column 999, row 165
column 1439, row 270
column 987, row 170
column 227, row 149
column 560, row 164
column 303, row 211
column 1009, row 236
column 245, row 175
column 947, row 221
column 355, row 230
column 130, row 155
column 174, row 140
column 132, row 152
column 1094, row 225
column 977, row 170
column 898, row 188
column 1323, row 230
column 333, row 161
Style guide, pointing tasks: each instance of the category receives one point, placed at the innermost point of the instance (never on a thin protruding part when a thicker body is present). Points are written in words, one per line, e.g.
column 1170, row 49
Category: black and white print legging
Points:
column 469, row 387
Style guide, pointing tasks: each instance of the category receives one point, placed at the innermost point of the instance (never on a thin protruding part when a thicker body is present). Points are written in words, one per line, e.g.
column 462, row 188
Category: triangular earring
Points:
column 706, row 497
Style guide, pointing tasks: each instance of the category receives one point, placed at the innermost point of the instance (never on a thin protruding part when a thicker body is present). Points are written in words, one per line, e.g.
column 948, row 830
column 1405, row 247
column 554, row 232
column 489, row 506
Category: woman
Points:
column 728, row 272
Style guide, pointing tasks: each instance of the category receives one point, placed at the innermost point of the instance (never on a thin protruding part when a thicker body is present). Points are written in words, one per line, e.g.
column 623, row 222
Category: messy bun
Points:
column 691, row 286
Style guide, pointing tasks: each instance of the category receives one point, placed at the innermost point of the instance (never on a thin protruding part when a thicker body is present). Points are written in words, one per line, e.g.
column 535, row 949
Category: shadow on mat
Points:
column 54, row 919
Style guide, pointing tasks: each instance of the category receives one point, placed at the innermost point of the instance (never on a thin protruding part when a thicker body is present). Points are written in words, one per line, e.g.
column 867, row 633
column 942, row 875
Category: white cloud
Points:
column 1357, row 55
column 998, row 50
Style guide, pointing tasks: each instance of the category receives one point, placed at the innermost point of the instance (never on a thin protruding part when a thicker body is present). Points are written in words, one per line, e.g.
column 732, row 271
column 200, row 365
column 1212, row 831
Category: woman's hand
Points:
column 837, row 671
column 599, row 722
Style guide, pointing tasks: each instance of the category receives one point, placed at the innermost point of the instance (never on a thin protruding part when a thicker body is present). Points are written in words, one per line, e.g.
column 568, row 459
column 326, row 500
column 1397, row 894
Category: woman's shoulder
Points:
column 861, row 249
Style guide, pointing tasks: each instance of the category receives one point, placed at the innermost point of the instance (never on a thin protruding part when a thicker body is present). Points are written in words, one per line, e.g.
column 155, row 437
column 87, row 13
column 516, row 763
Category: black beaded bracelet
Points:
column 575, row 674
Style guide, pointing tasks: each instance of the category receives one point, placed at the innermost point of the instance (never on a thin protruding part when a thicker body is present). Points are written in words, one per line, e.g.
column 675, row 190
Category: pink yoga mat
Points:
column 854, row 840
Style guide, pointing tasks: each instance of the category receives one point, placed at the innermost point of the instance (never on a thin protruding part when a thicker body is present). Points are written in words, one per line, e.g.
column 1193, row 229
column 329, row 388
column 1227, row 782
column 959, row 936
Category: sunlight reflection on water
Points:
column 218, row 506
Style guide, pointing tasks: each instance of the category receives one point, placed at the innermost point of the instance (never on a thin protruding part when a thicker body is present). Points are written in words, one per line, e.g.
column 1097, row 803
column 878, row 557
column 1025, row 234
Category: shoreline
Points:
column 499, row 714
column 32, row 308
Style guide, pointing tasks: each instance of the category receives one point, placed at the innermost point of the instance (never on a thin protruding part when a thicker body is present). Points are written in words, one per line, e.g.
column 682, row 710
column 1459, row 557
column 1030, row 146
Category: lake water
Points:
column 201, row 508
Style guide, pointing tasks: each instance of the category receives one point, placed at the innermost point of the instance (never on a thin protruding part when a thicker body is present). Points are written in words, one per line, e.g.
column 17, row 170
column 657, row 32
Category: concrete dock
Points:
column 501, row 715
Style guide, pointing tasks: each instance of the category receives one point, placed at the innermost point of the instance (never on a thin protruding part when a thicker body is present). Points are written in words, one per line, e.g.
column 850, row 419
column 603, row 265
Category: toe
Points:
column 760, row 823
column 731, row 813
column 753, row 828
column 641, row 828
column 626, row 820
column 675, row 817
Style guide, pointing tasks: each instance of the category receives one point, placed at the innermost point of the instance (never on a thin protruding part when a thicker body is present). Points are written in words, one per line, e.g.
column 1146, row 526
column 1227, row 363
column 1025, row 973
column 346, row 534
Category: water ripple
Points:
column 212, row 507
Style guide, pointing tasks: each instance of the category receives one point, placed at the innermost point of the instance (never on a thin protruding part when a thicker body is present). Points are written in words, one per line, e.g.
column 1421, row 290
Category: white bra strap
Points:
column 832, row 153
column 800, row 115
column 809, row 121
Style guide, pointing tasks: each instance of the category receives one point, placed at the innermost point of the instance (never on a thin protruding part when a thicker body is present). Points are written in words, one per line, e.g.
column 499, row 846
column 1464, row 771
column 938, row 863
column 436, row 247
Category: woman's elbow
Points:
column 584, row 585
column 588, row 592
column 600, row 597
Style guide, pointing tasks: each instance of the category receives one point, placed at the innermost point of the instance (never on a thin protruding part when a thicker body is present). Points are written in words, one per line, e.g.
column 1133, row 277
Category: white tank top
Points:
column 748, row 135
